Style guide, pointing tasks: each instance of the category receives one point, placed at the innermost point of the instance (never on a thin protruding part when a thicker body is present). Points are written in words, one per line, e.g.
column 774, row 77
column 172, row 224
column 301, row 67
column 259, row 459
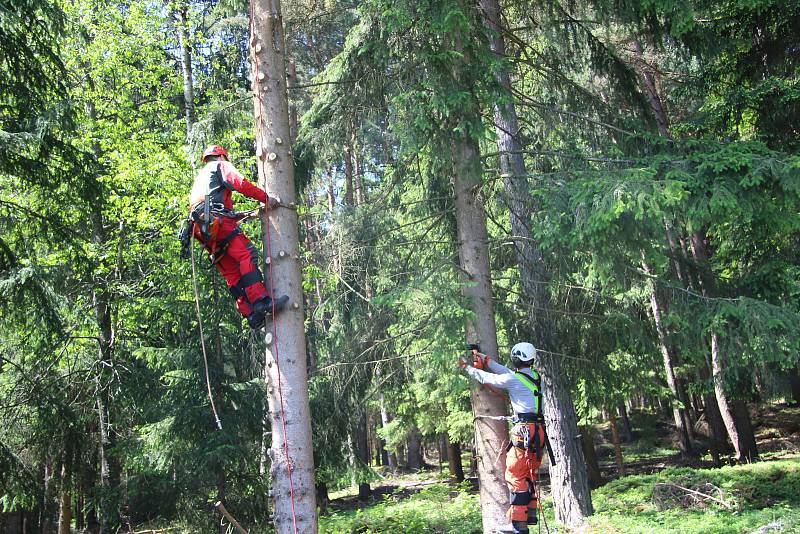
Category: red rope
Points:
column 260, row 128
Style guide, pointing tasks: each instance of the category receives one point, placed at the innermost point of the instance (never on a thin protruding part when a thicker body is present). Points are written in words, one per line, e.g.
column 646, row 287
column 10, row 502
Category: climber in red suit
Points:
column 217, row 228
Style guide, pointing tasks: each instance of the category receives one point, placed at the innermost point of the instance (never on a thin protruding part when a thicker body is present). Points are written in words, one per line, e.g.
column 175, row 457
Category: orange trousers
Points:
column 522, row 464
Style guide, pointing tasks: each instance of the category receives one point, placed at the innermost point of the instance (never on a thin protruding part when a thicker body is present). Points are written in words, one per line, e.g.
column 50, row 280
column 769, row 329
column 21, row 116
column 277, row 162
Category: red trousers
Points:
column 521, row 467
column 238, row 264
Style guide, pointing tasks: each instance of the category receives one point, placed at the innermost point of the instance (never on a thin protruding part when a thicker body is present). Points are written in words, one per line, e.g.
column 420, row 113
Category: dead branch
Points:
column 221, row 507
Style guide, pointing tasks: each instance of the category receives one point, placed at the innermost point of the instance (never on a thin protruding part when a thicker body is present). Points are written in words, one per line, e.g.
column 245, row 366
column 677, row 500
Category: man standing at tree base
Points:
column 528, row 437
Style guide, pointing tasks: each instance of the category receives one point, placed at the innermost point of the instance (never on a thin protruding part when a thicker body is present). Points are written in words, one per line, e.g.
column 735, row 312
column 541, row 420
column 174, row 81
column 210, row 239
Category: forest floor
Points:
column 659, row 494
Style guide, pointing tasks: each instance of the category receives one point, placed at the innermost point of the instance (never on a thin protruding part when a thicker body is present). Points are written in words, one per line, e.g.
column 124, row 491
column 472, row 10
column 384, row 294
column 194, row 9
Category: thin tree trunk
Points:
column 391, row 456
column 454, row 460
column 109, row 468
column 651, row 90
column 349, row 199
column 490, row 434
column 734, row 412
column 361, row 194
column 794, row 383
column 617, row 447
column 590, row 453
column 414, row 445
column 292, row 462
column 65, row 508
column 364, row 491
column 182, row 27
column 669, row 359
column 625, row 424
column 570, row 483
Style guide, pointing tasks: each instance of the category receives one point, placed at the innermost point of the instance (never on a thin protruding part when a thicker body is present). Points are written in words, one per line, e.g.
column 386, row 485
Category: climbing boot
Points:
column 263, row 308
column 280, row 303
column 515, row 527
column 532, row 518
column 256, row 318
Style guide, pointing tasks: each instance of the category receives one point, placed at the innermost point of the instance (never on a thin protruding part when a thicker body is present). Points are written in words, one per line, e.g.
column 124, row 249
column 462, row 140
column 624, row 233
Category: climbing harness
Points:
column 534, row 384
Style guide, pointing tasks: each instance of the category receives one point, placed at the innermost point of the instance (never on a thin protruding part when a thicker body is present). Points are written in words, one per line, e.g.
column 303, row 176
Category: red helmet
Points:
column 213, row 150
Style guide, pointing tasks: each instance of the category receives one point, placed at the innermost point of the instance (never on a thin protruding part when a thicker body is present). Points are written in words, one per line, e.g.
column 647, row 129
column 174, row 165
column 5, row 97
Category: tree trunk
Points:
column 291, row 83
column 570, row 483
column 361, row 194
column 65, row 509
column 617, row 447
column 109, row 468
column 182, row 27
column 414, row 445
column 590, row 453
column 292, row 462
column 670, row 361
column 391, row 456
column 490, row 434
column 651, row 90
column 364, row 491
column 734, row 412
column 454, row 460
column 349, row 198
column 794, row 383
column 626, row 432
column 717, row 433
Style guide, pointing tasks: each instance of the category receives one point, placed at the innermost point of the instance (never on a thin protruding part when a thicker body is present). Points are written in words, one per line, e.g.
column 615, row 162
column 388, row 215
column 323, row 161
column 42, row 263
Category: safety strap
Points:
column 535, row 387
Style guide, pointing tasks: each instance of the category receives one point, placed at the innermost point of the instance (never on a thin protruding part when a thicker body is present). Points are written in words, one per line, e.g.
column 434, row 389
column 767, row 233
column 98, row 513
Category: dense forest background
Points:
column 636, row 163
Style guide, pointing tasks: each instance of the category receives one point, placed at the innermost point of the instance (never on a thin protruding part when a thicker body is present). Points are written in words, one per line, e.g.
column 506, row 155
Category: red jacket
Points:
column 218, row 179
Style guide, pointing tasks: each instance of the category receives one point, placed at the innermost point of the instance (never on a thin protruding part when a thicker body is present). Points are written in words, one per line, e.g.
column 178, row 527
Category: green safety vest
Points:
column 533, row 383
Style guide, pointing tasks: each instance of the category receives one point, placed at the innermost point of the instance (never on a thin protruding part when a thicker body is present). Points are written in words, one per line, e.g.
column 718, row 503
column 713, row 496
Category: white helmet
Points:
column 523, row 352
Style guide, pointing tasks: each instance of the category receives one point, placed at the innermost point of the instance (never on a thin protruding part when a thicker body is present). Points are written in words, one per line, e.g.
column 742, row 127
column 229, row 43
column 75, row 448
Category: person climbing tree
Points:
column 528, row 437
column 216, row 226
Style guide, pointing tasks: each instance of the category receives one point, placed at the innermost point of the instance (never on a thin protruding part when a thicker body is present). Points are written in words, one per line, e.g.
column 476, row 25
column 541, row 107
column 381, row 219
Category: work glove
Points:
column 479, row 361
column 461, row 362
column 273, row 201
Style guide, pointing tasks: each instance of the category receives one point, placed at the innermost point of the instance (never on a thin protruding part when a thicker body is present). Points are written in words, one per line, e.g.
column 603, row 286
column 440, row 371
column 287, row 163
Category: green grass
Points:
column 436, row 509
column 758, row 494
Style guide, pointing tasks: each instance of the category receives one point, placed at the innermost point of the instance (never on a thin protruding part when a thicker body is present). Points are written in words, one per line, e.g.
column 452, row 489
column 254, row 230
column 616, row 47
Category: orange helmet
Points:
column 213, row 150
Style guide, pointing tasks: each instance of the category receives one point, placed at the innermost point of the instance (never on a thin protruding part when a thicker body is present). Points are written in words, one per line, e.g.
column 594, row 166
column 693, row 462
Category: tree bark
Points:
column 391, row 456
column 182, row 28
column 414, row 445
column 570, row 482
column 617, row 447
column 734, row 412
column 454, row 461
column 490, row 434
column 292, row 462
column 626, row 432
column 590, row 453
column 651, row 90
column 794, row 384
column 109, row 468
column 364, row 491
column 65, row 508
column 349, row 198
column 669, row 358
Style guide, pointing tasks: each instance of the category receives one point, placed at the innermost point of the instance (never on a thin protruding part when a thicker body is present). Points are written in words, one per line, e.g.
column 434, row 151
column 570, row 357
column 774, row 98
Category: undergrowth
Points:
column 752, row 496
